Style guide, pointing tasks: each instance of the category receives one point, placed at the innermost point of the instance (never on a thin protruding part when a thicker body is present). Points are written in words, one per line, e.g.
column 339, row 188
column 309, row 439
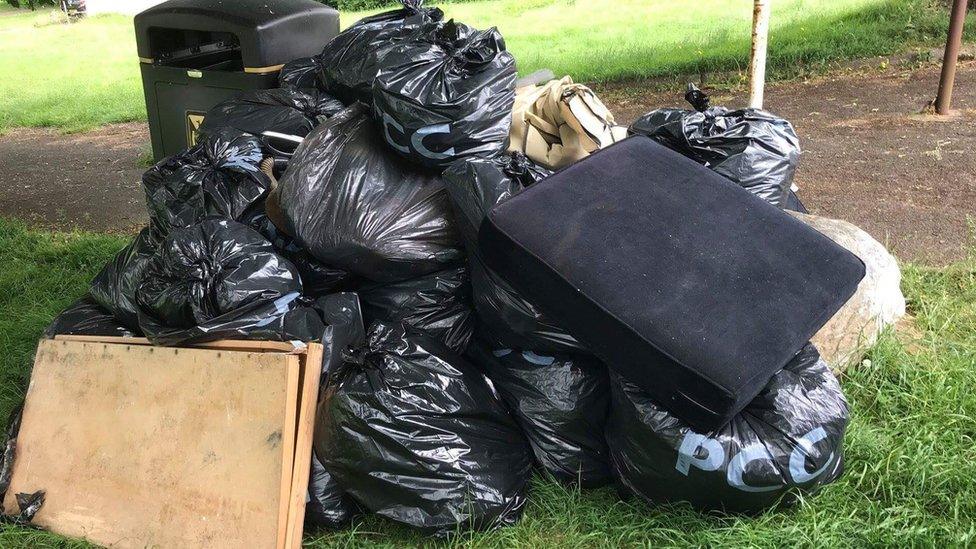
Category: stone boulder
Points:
column 877, row 303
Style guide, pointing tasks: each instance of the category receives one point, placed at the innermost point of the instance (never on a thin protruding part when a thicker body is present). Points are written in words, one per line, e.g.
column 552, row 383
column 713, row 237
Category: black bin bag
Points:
column 304, row 72
column 85, row 317
column 288, row 111
column 356, row 206
column 438, row 304
column 416, row 434
column 475, row 185
column 318, row 279
column 683, row 282
column 755, row 149
column 787, row 441
column 220, row 176
column 561, row 404
column 349, row 60
column 114, row 287
column 446, row 95
column 328, row 505
column 217, row 279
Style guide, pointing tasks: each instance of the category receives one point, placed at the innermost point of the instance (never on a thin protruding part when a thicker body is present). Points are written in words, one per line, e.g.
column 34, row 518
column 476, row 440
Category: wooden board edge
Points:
column 288, row 448
column 311, row 379
column 223, row 344
column 10, row 500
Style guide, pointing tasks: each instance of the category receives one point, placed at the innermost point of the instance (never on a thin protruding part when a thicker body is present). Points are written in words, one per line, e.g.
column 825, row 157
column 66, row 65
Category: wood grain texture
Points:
column 225, row 344
column 141, row 446
column 308, row 399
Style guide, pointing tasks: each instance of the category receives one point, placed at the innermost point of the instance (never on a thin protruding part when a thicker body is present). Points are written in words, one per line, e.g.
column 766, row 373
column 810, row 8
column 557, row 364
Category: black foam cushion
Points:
column 681, row 281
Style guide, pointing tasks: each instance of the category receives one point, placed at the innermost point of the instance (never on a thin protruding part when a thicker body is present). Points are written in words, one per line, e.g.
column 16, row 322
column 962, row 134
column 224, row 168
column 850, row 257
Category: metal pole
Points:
column 943, row 101
column 757, row 60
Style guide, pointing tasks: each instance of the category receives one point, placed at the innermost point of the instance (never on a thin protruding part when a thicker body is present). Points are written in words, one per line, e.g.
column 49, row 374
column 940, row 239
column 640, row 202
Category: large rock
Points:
column 877, row 303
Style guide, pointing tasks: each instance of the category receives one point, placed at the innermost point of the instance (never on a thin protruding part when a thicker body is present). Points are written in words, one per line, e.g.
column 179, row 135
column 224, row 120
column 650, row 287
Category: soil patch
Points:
column 870, row 157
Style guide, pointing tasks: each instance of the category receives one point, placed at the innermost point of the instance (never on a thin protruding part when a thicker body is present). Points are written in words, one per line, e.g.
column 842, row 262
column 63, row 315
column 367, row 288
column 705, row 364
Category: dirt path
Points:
column 87, row 181
column 869, row 157
column 908, row 179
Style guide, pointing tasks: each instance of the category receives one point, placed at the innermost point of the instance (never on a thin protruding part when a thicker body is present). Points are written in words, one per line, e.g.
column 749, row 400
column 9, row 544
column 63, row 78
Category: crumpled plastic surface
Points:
column 28, row 504
column 561, row 122
column 85, row 317
column 438, row 304
column 349, row 60
column 114, row 287
column 788, row 440
column 288, row 111
column 318, row 279
column 474, row 187
column 218, row 279
column 754, row 148
column 417, row 435
column 328, row 505
column 446, row 95
column 9, row 452
column 220, row 176
column 354, row 205
column 561, row 404
column 304, row 72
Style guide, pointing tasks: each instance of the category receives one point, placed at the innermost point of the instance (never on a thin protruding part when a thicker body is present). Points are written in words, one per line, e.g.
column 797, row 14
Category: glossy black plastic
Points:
column 218, row 279
column 416, row 434
column 438, row 304
column 789, row 440
column 560, row 402
column 752, row 147
column 349, row 60
column 355, row 205
column 114, row 288
column 304, row 72
column 318, row 279
column 220, row 176
column 446, row 95
column 85, row 317
column 288, row 111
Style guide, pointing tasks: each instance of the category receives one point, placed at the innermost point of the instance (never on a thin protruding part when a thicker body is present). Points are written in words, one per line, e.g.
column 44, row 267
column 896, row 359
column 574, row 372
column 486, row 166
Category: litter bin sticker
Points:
column 193, row 121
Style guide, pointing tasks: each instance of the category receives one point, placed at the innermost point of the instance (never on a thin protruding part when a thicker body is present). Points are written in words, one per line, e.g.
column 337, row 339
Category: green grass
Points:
column 911, row 454
column 69, row 76
column 77, row 76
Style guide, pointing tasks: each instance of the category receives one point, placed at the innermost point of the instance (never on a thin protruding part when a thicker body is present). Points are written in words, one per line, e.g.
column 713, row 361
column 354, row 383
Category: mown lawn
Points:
column 911, row 456
column 81, row 75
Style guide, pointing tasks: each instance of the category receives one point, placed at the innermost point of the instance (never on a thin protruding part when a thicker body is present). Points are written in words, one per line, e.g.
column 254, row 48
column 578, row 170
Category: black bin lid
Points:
column 271, row 32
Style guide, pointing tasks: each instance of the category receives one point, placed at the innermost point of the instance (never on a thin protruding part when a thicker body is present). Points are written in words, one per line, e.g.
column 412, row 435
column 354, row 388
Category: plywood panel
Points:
column 142, row 446
column 226, row 344
column 308, row 398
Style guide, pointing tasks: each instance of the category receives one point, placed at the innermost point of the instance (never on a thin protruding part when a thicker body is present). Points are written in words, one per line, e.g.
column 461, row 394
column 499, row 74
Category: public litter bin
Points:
column 197, row 53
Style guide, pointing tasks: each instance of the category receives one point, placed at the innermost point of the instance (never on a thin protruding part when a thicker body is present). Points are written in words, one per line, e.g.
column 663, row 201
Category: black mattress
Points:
column 681, row 281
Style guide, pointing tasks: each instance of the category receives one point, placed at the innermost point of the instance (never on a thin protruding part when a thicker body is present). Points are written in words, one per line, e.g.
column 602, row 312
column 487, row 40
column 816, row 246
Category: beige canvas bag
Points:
column 560, row 122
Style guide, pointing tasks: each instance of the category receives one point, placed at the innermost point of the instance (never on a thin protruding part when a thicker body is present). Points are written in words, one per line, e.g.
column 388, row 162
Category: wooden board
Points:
column 227, row 344
column 308, row 399
column 141, row 446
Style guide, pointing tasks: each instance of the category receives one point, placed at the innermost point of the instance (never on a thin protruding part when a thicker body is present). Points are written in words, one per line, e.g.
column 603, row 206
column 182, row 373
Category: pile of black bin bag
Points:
column 444, row 386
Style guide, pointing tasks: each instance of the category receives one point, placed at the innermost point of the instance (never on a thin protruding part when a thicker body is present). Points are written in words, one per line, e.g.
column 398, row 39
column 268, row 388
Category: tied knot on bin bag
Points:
column 349, row 63
column 444, row 94
column 698, row 99
column 470, row 50
column 216, row 279
column 221, row 176
column 751, row 147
